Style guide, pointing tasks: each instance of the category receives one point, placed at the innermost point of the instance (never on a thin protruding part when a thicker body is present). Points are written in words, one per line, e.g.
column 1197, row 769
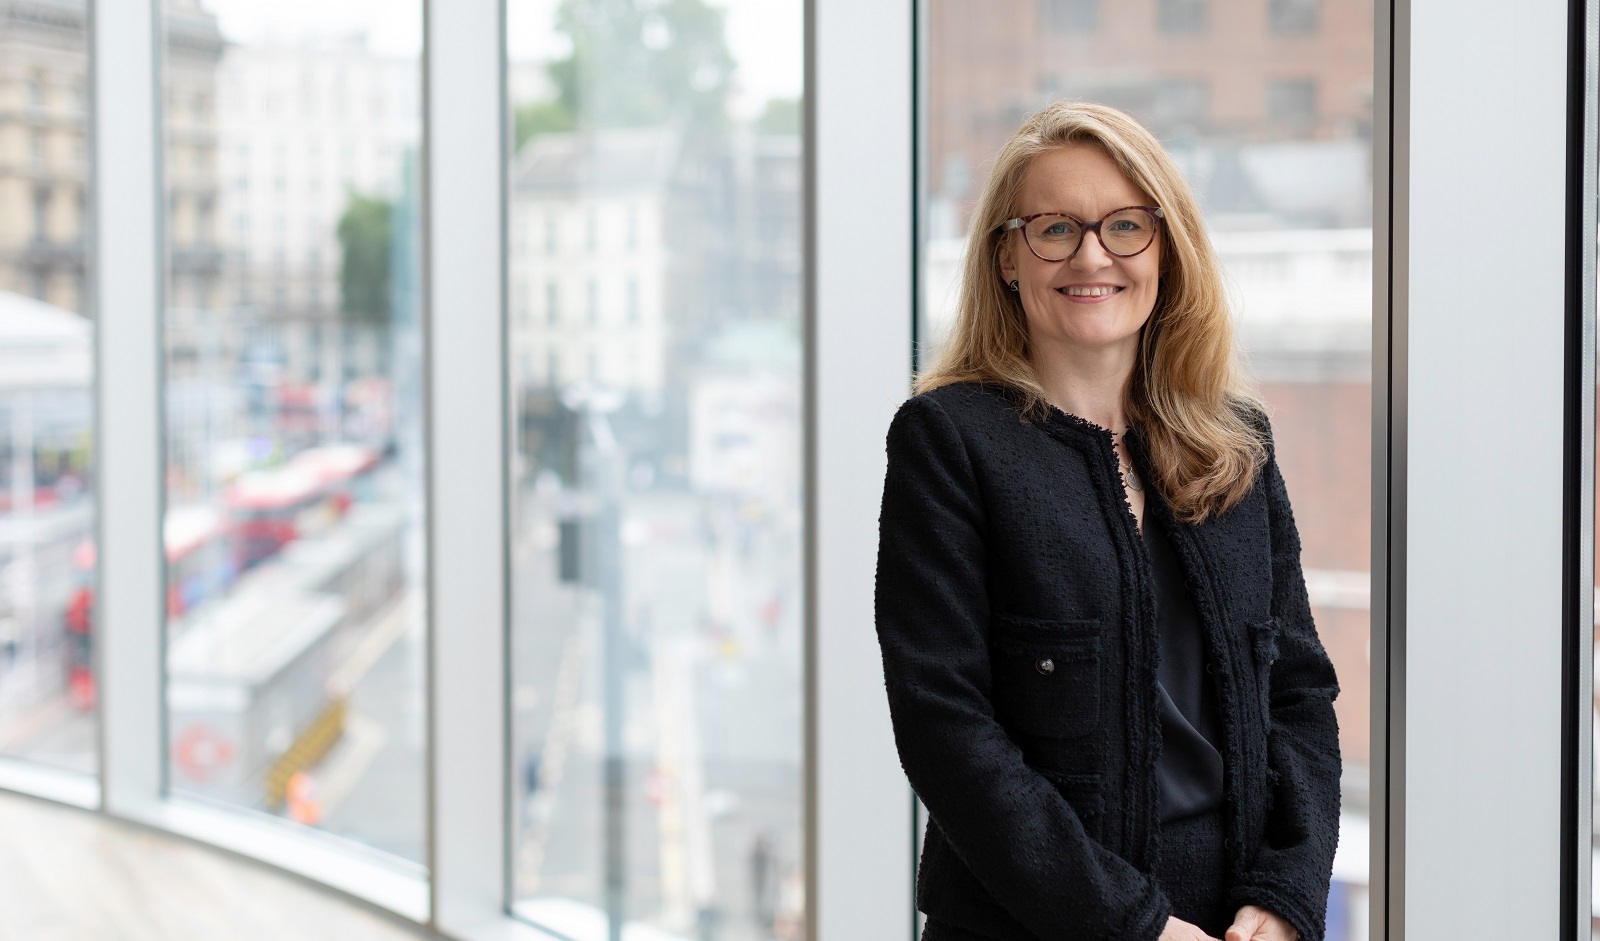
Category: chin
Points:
column 1097, row 337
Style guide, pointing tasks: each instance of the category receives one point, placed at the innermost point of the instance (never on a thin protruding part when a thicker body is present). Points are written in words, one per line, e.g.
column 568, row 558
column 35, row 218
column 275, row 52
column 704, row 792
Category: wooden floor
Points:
column 70, row 875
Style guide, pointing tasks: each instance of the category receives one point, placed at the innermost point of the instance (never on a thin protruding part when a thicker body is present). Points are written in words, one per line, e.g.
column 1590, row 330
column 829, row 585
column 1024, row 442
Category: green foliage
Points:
column 637, row 63
column 364, row 258
column 545, row 117
column 780, row 116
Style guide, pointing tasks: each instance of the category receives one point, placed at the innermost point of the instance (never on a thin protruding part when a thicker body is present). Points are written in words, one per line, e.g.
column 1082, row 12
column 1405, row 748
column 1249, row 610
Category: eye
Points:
column 1125, row 225
column 1058, row 230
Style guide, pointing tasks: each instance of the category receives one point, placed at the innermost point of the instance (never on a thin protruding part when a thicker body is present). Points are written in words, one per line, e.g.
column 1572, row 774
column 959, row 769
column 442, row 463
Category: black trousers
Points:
column 1192, row 871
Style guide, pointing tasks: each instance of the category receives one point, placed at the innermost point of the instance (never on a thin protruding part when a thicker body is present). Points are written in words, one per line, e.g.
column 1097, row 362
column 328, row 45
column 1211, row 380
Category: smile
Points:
column 1089, row 294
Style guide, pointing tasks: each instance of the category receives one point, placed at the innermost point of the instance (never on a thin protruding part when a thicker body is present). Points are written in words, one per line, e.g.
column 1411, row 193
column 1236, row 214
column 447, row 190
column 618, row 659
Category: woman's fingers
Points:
column 1253, row 923
column 1248, row 925
column 1179, row 930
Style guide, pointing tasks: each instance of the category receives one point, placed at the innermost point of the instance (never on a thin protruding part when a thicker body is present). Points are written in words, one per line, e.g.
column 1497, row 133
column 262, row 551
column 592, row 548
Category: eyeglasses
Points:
column 1056, row 236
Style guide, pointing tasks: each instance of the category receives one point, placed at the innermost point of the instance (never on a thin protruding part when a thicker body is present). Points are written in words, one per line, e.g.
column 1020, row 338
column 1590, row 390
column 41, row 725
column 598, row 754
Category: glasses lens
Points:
column 1128, row 231
column 1053, row 237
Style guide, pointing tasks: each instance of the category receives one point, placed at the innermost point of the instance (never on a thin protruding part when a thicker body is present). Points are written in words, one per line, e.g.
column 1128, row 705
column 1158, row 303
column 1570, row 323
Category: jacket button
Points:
column 1045, row 665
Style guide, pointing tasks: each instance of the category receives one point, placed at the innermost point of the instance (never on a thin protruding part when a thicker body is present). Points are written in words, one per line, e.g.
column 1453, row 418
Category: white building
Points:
column 590, row 244
column 302, row 127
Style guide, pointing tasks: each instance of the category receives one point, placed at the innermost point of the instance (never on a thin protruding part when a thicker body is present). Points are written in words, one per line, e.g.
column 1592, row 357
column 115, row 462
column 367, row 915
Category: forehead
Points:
column 1080, row 179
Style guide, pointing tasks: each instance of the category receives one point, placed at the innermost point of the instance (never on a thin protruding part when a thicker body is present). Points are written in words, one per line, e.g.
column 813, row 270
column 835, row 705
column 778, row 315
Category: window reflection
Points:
column 1267, row 108
column 657, row 680
column 47, row 564
column 293, row 460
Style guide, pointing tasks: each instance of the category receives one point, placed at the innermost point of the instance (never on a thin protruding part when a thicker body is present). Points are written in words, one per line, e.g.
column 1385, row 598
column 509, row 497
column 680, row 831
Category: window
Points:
column 1292, row 101
column 655, row 594
column 1293, row 16
column 1287, row 205
column 1070, row 16
column 41, row 215
column 293, row 491
column 552, row 303
column 202, row 221
column 1181, row 16
column 33, row 90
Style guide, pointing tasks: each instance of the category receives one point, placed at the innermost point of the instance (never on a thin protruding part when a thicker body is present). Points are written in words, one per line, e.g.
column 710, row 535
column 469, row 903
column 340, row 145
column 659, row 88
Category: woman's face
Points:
column 1093, row 300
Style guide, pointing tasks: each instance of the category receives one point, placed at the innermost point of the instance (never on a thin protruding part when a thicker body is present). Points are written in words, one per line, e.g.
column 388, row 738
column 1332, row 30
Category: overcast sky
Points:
column 763, row 35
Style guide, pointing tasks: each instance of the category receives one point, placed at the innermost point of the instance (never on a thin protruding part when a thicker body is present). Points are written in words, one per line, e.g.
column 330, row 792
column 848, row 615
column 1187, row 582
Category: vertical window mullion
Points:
column 465, row 395
column 1477, row 583
column 126, row 246
column 859, row 310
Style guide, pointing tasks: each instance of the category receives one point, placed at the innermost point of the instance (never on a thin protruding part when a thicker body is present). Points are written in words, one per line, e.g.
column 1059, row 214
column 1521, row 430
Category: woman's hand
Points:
column 1254, row 923
column 1179, row 930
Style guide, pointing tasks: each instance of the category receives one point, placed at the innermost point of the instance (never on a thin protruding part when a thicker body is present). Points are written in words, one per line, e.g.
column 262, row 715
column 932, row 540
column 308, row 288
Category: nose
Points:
column 1091, row 254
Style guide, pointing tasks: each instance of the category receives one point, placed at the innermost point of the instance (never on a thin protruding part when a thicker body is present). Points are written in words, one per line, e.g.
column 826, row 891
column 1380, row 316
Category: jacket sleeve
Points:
column 1011, row 827
column 1292, row 870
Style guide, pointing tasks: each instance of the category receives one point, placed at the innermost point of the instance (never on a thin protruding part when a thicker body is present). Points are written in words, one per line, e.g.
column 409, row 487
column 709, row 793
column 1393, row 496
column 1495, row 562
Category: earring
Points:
column 1015, row 286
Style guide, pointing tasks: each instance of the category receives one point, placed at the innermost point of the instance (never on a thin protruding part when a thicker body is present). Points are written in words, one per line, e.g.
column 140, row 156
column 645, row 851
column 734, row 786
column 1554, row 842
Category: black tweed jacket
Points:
column 1016, row 614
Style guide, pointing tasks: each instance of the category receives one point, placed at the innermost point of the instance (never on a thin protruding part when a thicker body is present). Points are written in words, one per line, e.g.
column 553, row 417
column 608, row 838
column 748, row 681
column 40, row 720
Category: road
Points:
column 712, row 732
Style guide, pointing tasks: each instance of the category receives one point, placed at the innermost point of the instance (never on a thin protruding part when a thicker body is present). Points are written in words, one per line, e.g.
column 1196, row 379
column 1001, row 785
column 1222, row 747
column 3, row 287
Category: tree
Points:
column 544, row 117
column 637, row 63
column 364, row 258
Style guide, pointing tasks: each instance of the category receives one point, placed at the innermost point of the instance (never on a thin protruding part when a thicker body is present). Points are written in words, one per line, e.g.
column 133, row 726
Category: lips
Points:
column 1090, row 290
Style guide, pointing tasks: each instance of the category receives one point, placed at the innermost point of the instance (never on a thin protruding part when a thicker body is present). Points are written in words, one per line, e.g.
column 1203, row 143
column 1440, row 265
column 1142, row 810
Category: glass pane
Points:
column 47, row 559
column 1271, row 120
column 655, row 378
column 293, row 366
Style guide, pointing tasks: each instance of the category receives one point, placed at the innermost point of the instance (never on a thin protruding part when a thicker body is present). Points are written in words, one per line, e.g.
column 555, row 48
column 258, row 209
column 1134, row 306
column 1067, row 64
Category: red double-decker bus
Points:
column 268, row 509
column 198, row 566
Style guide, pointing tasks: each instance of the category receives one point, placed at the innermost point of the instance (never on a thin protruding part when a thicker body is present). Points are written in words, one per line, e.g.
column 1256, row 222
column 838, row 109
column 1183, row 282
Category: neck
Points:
column 1091, row 384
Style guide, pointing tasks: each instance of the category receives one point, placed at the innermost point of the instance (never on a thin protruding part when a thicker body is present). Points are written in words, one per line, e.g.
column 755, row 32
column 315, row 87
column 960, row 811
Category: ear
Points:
column 1006, row 260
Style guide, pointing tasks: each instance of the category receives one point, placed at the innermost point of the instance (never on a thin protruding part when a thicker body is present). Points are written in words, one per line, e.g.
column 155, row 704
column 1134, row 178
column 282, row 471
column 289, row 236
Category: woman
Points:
column 1102, row 670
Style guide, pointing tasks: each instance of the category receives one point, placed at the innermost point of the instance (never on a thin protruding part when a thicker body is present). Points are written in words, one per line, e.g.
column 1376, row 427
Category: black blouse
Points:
column 1189, row 770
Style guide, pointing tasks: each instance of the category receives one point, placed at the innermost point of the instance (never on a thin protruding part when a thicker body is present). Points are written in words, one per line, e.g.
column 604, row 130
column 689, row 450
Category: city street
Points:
column 711, row 674
column 711, row 736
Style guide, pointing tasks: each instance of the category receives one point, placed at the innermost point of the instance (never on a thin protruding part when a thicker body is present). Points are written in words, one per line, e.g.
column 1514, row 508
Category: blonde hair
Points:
column 1196, row 414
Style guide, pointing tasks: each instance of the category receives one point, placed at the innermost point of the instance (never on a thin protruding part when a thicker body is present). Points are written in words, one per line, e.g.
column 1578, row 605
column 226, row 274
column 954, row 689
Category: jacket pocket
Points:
column 1046, row 676
column 1264, row 648
column 1082, row 791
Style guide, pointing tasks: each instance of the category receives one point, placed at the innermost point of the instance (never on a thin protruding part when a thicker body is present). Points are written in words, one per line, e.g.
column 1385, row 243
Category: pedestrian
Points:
column 1102, row 670
column 763, row 887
